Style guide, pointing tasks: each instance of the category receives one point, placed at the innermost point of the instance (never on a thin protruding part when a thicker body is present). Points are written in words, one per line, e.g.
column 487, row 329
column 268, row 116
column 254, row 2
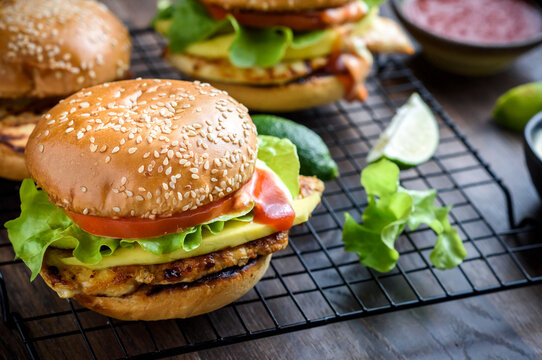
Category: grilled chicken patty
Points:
column 224, row 70
column 68, row 281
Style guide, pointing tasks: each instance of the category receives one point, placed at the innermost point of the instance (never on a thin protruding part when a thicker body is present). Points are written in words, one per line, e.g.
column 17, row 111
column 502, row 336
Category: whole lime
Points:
column 518, row 105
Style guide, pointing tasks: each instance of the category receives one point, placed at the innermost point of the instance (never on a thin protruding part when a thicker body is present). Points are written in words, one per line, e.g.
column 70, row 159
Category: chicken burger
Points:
column 156, row 199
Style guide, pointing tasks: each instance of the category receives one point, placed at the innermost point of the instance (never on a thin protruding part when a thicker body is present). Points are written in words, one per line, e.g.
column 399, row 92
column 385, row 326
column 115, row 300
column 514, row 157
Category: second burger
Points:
column 272, row 55
column 50, row 49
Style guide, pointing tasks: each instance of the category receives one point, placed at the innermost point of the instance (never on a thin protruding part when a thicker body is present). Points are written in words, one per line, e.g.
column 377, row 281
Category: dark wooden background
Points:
column 505, row 325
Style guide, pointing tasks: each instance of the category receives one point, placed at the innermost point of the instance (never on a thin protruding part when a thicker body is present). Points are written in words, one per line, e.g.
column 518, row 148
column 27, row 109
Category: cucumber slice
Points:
column 411, row 138
column 314, row 156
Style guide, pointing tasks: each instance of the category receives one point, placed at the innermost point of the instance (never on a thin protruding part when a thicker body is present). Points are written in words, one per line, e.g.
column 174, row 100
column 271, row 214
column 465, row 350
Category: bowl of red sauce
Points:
column 472, row 37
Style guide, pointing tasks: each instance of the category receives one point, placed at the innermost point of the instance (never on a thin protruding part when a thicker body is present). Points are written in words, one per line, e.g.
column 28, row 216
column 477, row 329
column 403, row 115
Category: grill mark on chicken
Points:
column 223, row 274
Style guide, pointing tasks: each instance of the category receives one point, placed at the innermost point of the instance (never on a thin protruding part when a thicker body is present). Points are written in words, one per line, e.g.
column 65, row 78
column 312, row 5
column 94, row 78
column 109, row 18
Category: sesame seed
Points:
column 132, row 150
column 107, row 159
column 83, row 189
column 195, row 176
column 123, row 180
column 41, row 147
column 116, row 209
column 141, row 169
column 115, row 149
column 85, row 211
column 70, row 129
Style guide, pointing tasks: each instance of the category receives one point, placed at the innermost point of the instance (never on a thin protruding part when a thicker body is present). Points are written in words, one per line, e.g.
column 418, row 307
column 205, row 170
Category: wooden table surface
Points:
column 504, row 325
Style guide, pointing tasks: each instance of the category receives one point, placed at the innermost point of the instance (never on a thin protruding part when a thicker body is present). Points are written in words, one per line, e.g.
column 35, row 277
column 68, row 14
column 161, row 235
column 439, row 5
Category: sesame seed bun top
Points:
column 56, row 47
column 142, row 148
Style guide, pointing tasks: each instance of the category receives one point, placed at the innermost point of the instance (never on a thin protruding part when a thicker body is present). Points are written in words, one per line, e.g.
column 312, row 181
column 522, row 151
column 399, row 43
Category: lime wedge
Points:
column 411, row 138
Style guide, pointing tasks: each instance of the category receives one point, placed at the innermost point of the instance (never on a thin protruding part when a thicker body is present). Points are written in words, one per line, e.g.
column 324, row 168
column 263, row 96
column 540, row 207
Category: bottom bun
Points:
column 309, row 92
column 182, row 300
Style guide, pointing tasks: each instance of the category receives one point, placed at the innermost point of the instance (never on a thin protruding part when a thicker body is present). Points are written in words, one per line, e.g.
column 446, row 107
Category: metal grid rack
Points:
column 312, row 282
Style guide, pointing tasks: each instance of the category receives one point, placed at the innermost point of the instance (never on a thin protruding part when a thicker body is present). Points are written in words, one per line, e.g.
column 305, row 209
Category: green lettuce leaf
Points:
column 42, row 224
column 164, row 11
column 190, row 239
column 390, row 208
column 190, row 23
column 258, row 47
column 448, row 251
column 373, row 3
column 265, row 47
column 39, row 225
column 373, row 252
column 281, row 156
column 380, row 178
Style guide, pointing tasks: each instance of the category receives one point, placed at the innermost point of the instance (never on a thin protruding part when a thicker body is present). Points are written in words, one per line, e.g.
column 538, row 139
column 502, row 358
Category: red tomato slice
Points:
column 136, row 228
column 272, row 207
column 308, row 20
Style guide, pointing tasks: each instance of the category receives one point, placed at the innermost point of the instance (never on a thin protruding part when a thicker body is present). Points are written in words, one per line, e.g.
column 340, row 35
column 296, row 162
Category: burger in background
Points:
column 279, row 55
column 50, row 49
column 157, row 199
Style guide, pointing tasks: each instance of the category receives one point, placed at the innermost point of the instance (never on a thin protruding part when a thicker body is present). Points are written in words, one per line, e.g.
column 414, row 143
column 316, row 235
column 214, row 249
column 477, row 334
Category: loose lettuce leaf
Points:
column 390, row 208
column 380, row 178
column 448, row 251
column 191, row 23
column 373, row 252
column 281, row 156
column 42, row 224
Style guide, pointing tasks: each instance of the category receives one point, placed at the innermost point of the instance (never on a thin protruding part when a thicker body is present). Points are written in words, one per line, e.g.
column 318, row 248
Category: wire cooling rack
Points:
column 314, row 281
